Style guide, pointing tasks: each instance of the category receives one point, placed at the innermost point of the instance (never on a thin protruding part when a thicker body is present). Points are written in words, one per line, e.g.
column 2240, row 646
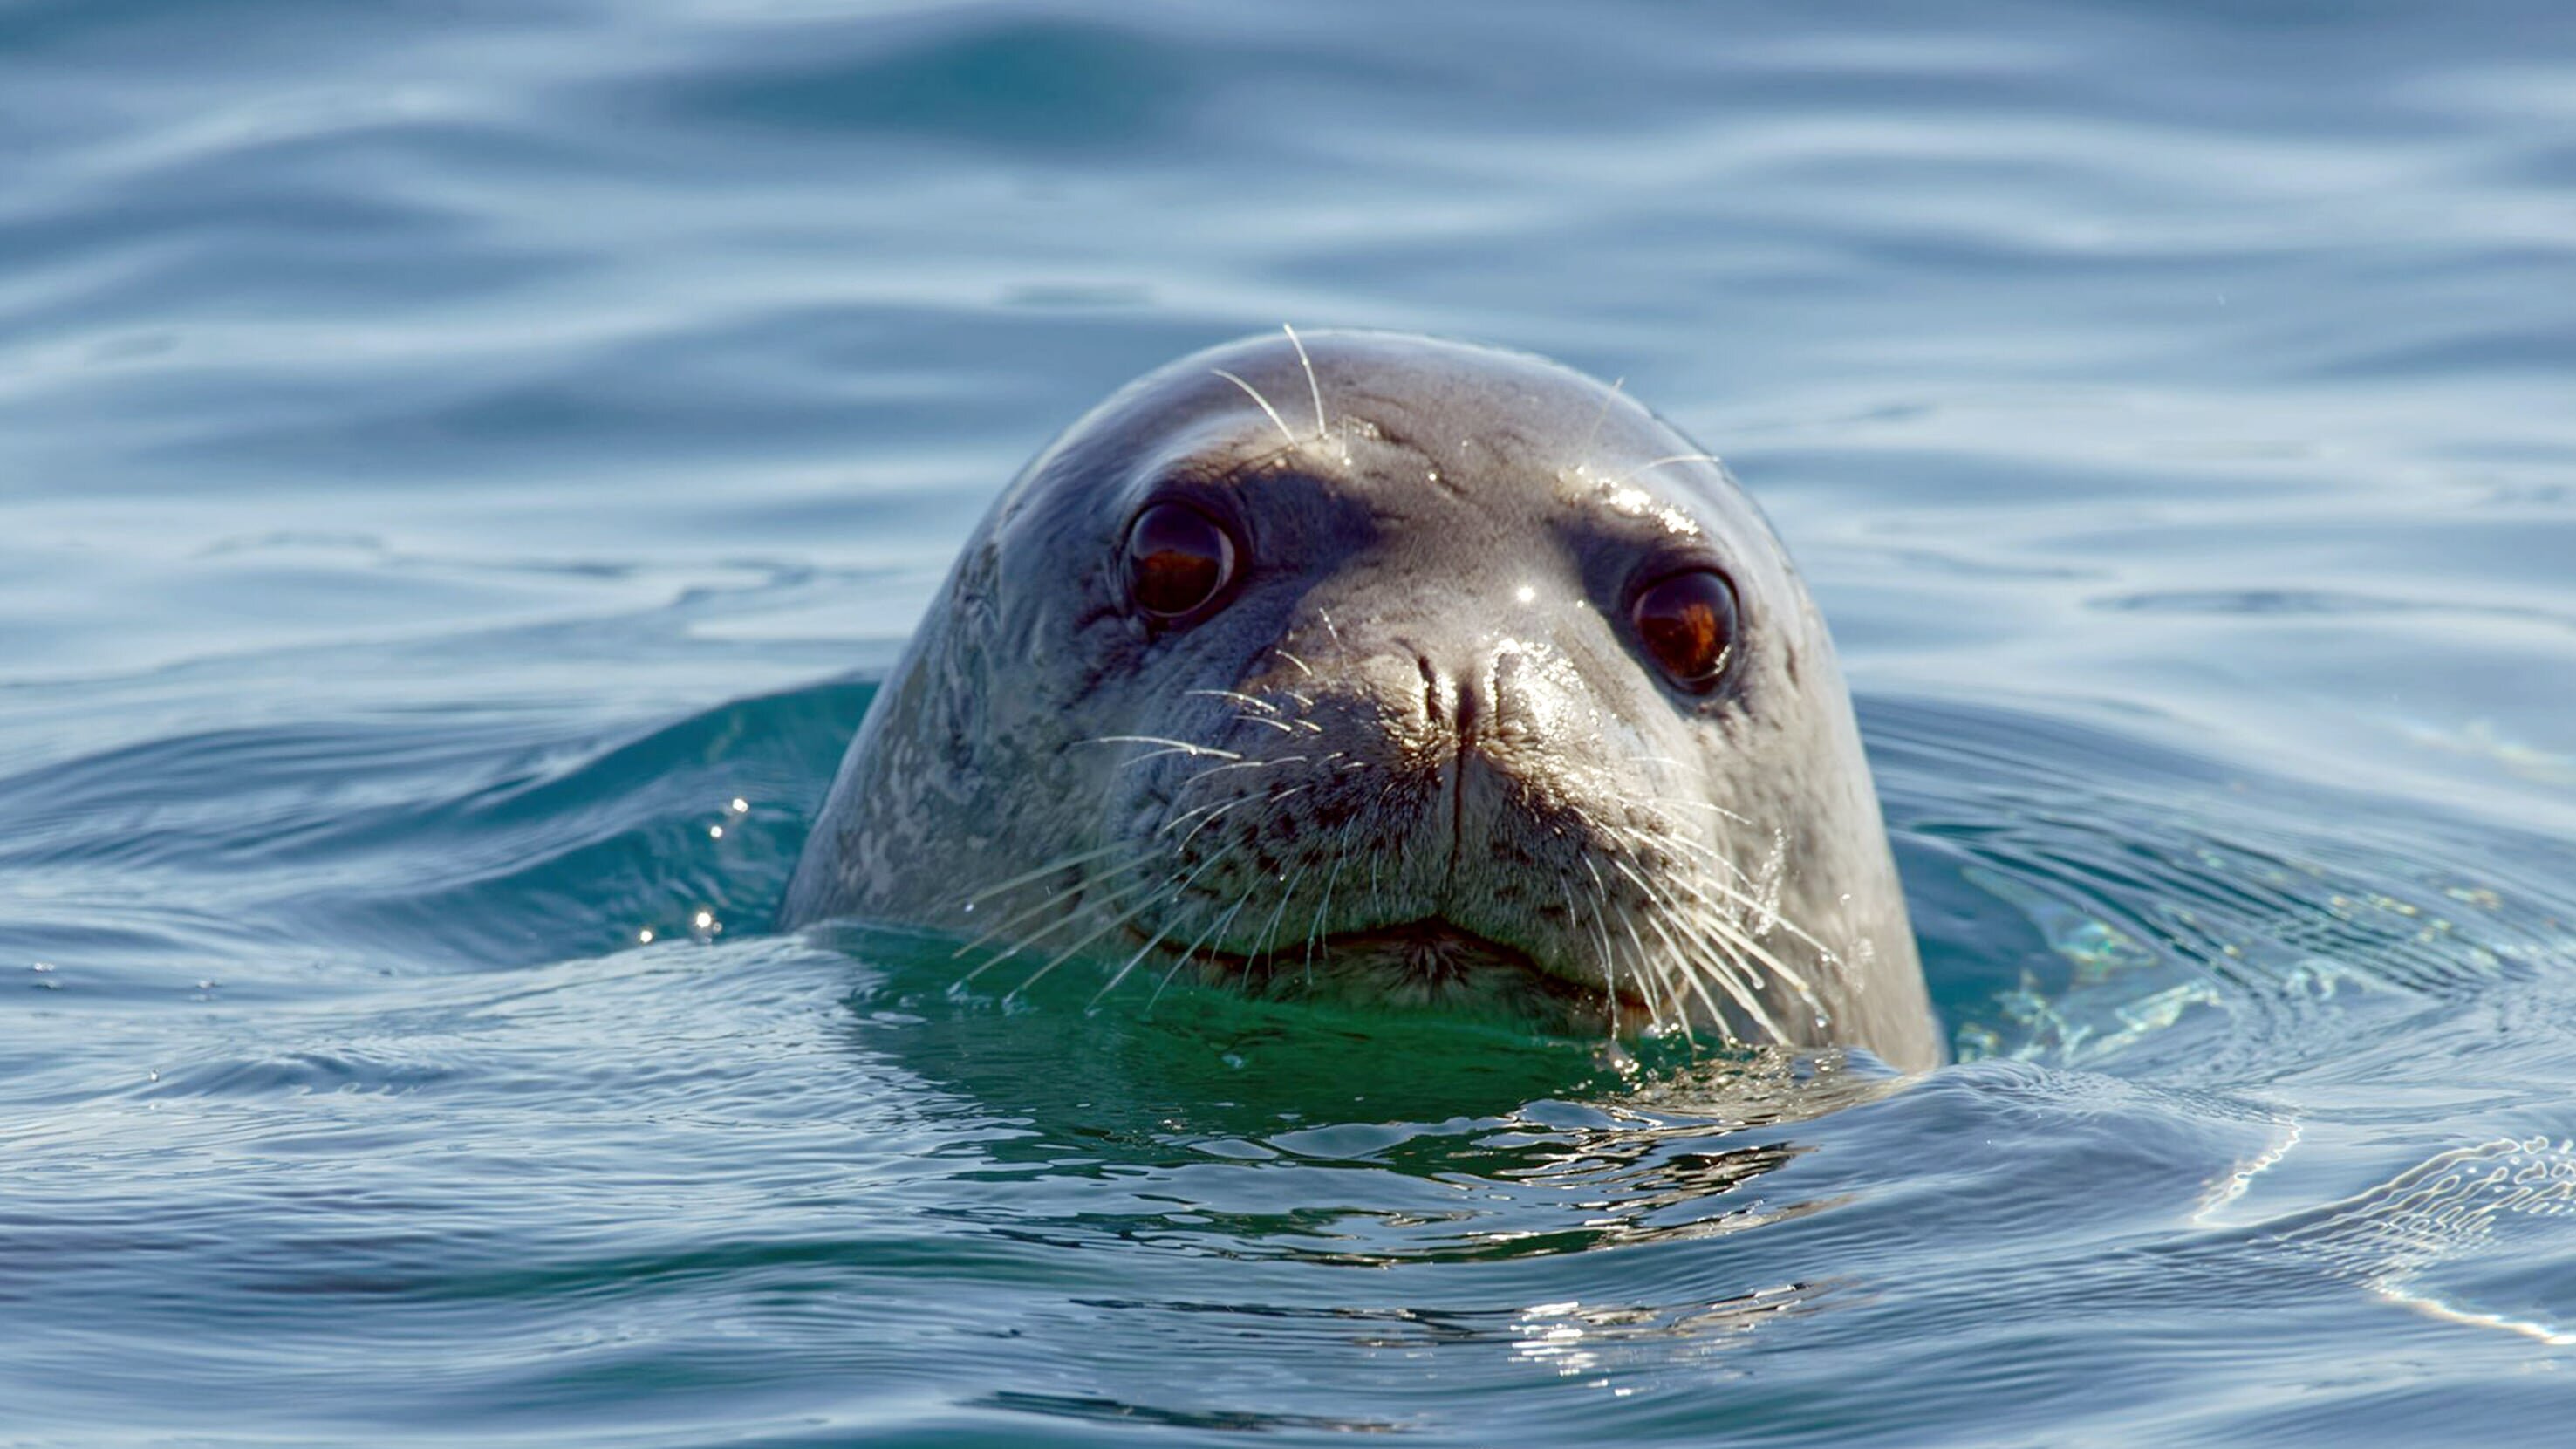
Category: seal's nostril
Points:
column 1430, row 688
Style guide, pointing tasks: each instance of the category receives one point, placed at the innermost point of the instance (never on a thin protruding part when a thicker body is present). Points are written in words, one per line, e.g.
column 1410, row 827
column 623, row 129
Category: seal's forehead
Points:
column 1495, row 426
column 1433, row 392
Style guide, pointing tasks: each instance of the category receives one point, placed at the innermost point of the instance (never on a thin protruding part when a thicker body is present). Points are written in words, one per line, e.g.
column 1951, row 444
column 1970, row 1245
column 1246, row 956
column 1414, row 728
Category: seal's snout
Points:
column 1463, row 782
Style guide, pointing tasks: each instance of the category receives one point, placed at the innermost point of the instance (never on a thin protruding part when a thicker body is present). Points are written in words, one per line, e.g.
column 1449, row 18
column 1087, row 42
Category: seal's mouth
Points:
column 1429, row 962
column 1431, row 950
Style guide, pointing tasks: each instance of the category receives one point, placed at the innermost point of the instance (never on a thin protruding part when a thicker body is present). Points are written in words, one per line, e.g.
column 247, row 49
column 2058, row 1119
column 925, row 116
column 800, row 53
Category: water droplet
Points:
column 715, row 832
column 741, row 806
column 645, row 936
column 703, row 920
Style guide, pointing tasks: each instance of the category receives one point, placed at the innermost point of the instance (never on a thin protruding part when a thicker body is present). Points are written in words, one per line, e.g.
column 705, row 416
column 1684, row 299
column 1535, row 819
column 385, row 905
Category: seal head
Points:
column 1395, row 669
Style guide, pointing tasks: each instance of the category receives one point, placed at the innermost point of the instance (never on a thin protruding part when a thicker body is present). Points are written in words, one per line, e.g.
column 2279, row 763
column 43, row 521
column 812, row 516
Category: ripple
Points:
column 447, row 443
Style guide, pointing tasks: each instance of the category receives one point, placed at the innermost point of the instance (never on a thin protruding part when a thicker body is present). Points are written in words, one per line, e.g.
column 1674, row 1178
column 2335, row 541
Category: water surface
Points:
column 451, row 453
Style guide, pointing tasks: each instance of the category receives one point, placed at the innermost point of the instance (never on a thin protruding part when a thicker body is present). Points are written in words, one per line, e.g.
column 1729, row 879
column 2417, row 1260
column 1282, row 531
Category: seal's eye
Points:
column 1177, row 559
column 1687, row 623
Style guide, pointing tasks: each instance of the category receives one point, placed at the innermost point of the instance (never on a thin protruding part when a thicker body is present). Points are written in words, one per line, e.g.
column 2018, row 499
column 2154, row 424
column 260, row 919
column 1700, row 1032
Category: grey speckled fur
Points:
column 1423, row 704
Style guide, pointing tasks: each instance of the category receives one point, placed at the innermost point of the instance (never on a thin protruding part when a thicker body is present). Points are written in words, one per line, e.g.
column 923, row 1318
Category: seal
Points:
column 1390, row 669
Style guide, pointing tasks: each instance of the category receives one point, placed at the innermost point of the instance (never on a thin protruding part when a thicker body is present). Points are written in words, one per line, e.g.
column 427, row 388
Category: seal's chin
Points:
column 1425, row 963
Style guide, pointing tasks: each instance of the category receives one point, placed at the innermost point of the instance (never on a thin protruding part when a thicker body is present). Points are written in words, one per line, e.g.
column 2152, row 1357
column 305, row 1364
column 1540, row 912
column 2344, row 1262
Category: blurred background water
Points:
column 462, row 465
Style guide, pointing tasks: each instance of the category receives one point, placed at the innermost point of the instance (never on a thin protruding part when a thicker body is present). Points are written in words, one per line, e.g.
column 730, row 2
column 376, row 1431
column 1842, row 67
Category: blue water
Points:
column 451, row 451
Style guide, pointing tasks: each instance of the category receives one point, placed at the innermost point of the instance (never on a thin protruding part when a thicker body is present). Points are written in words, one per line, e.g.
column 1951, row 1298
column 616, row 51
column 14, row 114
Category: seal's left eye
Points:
column 1687, row 622
column 1177, row 559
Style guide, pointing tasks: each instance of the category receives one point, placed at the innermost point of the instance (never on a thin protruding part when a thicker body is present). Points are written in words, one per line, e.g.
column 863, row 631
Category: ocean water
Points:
column 464, row 465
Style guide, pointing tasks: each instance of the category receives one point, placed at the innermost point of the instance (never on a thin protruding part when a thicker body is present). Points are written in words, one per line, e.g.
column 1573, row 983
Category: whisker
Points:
column 1583, row 450
column 1609, row 968
column 1193, row 949
column 1734, row 938
column 1069, row 952
column 1699, row 987
column 1716, row 921
column 1601, row 890
column 1238, row 763
column 1172, row 890
column 1270, row 932
column 1050, row 868
column 1068, row 918
column 1255, row 394
column 1738, row 989
column 1238, row 696
column 1315, row 926
column 1625, row 478
column 1223, row 808
column 1121, row 973
column 1054, row 900
column 1244, row 764
column 1182, row 745
column 1312, row 386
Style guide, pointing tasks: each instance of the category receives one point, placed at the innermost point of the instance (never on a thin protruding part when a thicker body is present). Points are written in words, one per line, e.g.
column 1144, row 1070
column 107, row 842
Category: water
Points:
column 452, row 451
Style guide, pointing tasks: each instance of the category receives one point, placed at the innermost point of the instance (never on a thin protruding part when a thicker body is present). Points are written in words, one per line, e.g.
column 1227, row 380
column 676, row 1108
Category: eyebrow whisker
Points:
column 1316, row 389
column 1255, row 394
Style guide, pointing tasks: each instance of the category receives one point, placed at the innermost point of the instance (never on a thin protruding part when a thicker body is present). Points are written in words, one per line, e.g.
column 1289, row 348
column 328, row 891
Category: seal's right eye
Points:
column 1177, row 559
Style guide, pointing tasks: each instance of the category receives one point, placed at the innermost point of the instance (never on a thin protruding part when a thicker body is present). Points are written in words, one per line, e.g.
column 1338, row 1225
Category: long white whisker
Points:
column 1323, row 909
column 1609, row 973
column 1602, row 887
column 1193, row 949
column 1255, row 394
column 1053, row 900
column 1625, row 478
column 1121, row 973
column 1716, row 921
column 1069, row 952
column 1180, row 746
column 1740, row 990
column 1712, row 808
column 1238, row 696
column 1584, row 450
column 1071, row 917
column 1677, row 840
column 1269, row 937
column 1242, row 764
column 1172, row 890
column 1312, row 386
column 1219, row 813
column 1609, row 957
column 1050, row 868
